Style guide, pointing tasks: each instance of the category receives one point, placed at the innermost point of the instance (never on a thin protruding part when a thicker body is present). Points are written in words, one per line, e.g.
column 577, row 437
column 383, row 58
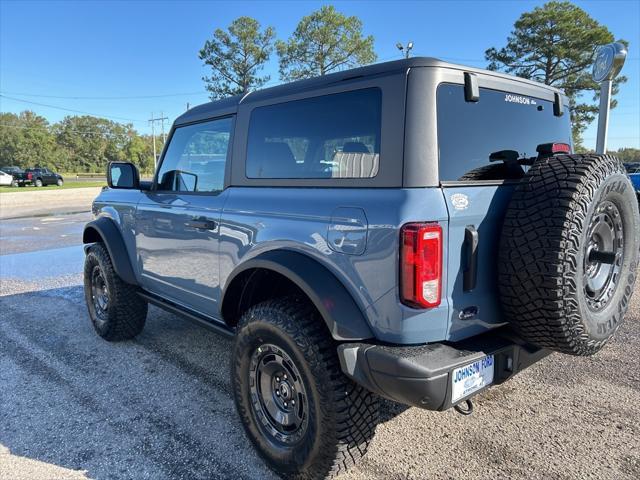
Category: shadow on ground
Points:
column 155, row 407
column 159, row 406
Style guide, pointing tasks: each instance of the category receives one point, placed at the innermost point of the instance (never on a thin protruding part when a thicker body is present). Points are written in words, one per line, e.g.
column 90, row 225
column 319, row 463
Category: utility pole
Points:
column 162, row 119
column 153, row 121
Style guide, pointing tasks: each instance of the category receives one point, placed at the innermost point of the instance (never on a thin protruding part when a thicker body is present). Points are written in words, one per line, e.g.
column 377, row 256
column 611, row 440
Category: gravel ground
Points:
column 73, row 406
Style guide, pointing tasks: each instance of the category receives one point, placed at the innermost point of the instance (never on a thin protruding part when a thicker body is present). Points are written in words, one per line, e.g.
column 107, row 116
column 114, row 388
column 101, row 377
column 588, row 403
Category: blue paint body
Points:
column 351, row 225
column 352, row 232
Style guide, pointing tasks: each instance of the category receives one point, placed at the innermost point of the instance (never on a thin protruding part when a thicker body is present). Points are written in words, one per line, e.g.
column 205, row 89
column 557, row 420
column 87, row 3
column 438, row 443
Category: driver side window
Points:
column 196, row 157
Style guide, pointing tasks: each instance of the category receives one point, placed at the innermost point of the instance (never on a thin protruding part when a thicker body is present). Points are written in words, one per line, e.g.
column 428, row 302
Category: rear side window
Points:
column 196, row 157
column 470, row 132
column 331, row 136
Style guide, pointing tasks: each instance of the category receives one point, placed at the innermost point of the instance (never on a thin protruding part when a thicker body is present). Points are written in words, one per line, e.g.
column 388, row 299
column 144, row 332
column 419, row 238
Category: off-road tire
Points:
column 126, row 311
column 342, row 415
column 543, row 257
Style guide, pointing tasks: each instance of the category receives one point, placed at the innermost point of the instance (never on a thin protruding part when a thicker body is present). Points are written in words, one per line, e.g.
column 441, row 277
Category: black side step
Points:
column 197, row 318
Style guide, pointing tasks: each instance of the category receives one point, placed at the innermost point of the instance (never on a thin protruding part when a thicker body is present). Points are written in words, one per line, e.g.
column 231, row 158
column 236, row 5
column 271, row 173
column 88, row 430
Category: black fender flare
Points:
column 105, row 230
column 335, row 304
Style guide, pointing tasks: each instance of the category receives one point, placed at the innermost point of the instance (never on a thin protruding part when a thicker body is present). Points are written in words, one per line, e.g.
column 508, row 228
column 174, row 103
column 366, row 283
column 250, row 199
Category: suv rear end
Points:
column 456, row 119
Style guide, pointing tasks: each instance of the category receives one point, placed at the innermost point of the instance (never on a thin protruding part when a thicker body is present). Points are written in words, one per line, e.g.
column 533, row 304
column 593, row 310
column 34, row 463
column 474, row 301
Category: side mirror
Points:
column 123, row 175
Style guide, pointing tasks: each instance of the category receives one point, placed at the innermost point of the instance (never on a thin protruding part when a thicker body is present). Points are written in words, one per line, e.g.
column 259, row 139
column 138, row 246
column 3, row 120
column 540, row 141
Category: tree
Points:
column 75, row 144
column 236, row 57
column 91, row 143
column 554, row 44
column 627, row 155
column 323, row 42
column 25, row 140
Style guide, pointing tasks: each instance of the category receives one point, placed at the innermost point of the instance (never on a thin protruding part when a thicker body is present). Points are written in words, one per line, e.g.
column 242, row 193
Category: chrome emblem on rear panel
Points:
column 460, row 201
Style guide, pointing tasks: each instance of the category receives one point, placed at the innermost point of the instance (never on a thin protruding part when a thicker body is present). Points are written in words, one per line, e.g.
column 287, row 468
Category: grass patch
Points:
column 66, row 185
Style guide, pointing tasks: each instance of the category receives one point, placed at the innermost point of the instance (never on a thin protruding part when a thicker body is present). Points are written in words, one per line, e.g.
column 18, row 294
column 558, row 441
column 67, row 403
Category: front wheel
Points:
column 305, row 417
column 116, row 310
column 60, row 182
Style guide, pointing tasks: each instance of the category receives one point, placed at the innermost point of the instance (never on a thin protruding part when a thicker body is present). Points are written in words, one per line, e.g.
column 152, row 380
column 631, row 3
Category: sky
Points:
column 141, row 57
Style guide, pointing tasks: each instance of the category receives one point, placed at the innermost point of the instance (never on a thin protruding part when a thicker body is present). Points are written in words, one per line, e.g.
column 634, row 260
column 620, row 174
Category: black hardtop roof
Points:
column 229, row 105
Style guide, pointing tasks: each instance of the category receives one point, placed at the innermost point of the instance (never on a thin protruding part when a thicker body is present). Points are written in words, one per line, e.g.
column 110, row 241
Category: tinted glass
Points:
column 469, row 132
column 122, row 175
column 196, row 157
column 331, row 136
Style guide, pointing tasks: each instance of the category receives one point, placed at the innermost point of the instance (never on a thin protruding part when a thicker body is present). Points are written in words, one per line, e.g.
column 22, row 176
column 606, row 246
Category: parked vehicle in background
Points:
column 11, row 170
column 414, row 230
column 633, row 170
column 14, row 172
column 39, row 177
column 6, row 179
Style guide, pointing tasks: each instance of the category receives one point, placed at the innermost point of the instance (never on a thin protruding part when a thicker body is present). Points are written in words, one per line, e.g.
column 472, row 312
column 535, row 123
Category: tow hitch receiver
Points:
column 468, row 410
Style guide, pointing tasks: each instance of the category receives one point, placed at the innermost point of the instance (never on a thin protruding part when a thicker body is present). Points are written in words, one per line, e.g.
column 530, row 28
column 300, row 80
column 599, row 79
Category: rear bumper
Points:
column 420, row 375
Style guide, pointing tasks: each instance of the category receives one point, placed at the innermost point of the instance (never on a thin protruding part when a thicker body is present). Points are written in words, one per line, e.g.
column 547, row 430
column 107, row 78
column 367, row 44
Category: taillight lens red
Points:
column 561, row 148
column 29, row 176
column 421, row 264
column 545, row 149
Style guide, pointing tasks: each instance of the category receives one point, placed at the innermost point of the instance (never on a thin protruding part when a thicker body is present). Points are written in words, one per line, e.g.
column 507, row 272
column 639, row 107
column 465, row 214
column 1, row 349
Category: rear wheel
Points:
column 116, row 310
column 569, row 252
column 38, row 182
column 303, row 415
column 14, row 183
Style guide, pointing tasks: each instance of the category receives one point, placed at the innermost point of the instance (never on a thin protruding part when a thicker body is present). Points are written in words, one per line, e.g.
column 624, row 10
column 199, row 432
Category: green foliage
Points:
column 627, row 155
column 26, row 139
column 324, row 41
column 554, row 44
column 75, row 144
column 236, row 57
column 67, row 185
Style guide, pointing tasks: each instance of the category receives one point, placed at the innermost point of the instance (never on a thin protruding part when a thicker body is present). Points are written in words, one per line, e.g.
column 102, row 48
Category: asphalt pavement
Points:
column 73, row 406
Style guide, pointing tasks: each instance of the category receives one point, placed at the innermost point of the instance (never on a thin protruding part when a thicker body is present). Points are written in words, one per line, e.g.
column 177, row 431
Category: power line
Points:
column 71, row 110
column 130, row 97
column 66, row 130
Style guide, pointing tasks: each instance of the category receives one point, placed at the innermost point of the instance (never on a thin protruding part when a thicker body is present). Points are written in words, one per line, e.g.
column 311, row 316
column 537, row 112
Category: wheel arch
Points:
column 342, row 316
column 106, row 231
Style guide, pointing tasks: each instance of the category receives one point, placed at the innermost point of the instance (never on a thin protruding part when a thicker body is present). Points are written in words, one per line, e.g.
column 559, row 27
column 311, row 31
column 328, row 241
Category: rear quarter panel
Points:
column 256, row 220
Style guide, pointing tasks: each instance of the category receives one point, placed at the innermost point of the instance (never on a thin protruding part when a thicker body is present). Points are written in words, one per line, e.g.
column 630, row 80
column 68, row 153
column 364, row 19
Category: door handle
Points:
column 470, row 275
column 202, row 224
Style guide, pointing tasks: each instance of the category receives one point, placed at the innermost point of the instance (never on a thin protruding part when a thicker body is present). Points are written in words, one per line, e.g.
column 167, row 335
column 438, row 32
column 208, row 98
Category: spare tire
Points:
column 569, row 252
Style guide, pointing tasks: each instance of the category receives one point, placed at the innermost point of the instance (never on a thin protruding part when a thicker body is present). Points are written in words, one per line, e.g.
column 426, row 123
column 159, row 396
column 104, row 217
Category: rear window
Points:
column 469, row 132
column 331, row 136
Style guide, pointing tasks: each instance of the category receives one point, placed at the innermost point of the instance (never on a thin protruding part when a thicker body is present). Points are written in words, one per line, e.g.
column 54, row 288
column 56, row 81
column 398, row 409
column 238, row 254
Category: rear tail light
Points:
column 553, row 148
column 29, row 176
column 421, row 264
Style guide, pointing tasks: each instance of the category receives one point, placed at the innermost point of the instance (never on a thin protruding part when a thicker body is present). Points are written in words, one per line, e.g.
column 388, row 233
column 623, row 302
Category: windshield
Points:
column 470, row 132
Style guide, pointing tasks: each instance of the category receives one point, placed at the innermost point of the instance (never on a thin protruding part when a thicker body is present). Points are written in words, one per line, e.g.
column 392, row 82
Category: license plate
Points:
column 471, row 378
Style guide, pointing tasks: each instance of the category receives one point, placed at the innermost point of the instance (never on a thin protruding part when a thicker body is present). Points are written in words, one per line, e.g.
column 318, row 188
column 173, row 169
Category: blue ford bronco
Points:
column 413, row 230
